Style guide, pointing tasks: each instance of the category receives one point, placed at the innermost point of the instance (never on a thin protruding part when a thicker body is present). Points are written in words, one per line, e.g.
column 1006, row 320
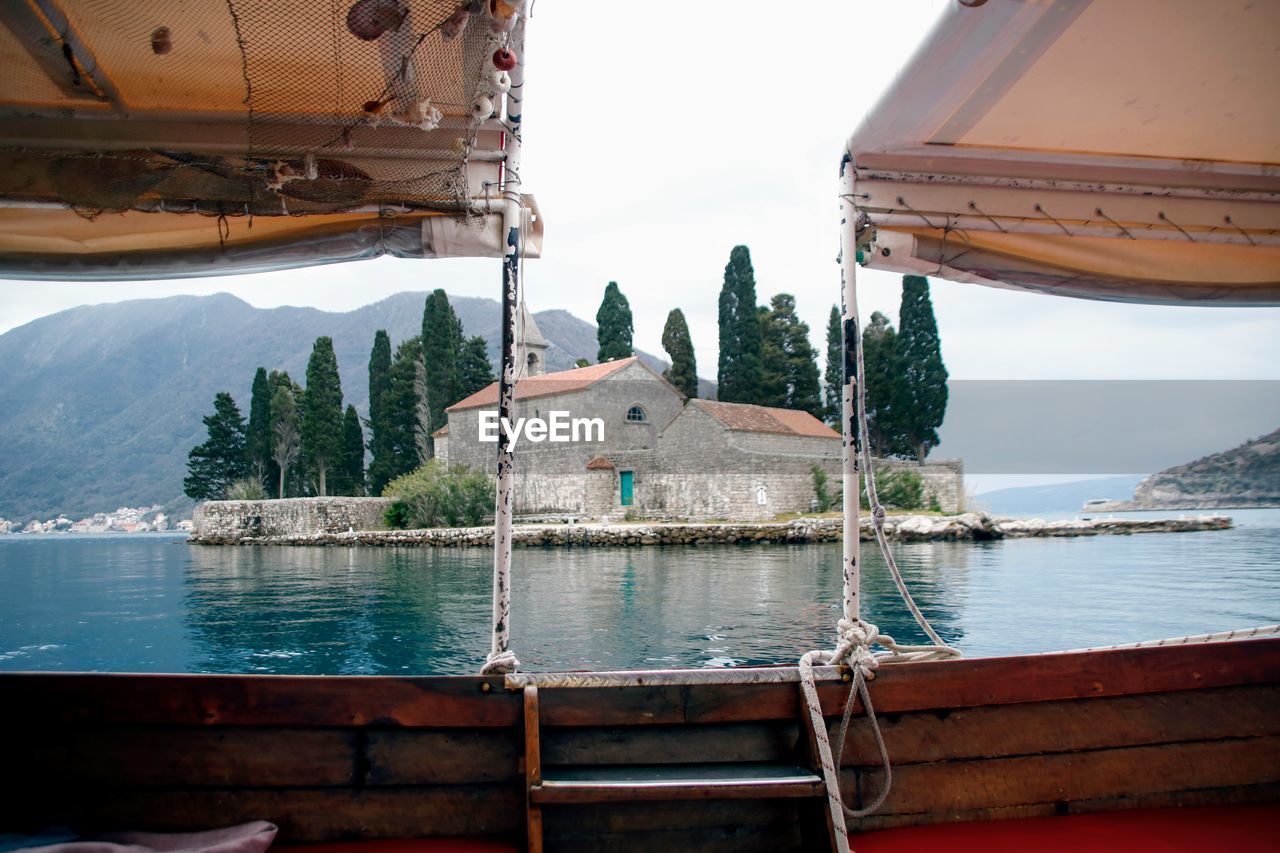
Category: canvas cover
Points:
column 1110, row 149
column 144, row 138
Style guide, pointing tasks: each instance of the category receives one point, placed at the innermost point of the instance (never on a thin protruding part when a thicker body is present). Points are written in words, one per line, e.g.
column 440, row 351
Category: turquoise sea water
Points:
column 152, row 603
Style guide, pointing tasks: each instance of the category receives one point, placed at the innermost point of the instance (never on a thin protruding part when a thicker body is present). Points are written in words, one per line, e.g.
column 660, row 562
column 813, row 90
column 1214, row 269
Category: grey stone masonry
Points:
column 233, row 521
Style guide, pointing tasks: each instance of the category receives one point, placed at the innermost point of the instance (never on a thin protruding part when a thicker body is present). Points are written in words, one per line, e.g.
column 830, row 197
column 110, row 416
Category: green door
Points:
column 626, row 487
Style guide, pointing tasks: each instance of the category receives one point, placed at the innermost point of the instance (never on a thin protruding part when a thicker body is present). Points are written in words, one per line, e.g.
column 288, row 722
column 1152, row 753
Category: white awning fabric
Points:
column 159, row 138
column 1108, row 149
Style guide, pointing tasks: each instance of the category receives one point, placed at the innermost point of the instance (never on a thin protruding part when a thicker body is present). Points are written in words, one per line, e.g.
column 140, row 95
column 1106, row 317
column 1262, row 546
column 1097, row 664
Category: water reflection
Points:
column 145, row 605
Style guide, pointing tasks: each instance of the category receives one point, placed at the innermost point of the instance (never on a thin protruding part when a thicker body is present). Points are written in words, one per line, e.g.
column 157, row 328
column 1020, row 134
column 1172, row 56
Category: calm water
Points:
column 156, row 604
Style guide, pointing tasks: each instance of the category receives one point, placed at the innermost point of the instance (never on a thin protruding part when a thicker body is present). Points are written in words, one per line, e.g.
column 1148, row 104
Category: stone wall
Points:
column 233, row 521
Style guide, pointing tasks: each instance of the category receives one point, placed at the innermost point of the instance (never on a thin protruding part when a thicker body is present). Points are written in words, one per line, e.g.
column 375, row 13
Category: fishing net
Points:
column 251, row 107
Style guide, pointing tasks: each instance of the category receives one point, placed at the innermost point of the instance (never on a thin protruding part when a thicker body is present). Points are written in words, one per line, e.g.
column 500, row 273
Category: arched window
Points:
column 636, row 415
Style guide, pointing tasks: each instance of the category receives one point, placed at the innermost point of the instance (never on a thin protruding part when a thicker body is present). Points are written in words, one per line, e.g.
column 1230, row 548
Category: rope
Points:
column 501, row 663
column 855, row 637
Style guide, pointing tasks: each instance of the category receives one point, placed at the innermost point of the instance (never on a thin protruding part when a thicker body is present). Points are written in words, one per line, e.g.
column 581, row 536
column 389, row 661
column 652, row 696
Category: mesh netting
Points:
column 258, row 107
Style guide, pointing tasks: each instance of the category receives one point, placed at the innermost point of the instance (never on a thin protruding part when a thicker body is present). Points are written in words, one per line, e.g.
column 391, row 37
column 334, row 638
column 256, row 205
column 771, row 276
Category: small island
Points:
column 1244, row 477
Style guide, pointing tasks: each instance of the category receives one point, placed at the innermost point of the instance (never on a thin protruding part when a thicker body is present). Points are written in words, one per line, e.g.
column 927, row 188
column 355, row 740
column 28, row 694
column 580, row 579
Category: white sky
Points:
column 661, row 134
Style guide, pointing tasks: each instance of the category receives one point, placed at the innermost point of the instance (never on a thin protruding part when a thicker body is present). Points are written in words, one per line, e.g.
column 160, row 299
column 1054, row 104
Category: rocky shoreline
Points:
column 972, row 527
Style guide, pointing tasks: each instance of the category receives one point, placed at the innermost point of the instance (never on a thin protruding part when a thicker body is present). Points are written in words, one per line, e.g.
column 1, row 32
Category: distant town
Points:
column 126, row 519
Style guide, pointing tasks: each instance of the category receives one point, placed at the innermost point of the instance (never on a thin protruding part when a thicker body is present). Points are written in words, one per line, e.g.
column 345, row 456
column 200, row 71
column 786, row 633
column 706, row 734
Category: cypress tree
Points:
column 741, row 343
column 213, row 466
column 379, row 389
column 402, row 410
column 257, row 441
column 884, row 388
column 925, row 375
column 286, row 437
column 683, row 372
column 474, row 368
column 322, row 414
column 772, row 390
column 441, row 350
column 833, row 378
column 789, row 375
column 614, row 328
column 352, row 467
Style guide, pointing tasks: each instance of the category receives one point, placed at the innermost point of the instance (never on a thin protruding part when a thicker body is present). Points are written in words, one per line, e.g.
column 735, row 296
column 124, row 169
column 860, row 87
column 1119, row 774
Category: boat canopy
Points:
column 163, row 138
column 1115, row 150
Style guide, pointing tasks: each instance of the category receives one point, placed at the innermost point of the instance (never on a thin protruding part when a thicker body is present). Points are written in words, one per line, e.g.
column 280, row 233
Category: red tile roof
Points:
column 563, row 382
column 442, row 432
column 750, row 418
column 600, row 464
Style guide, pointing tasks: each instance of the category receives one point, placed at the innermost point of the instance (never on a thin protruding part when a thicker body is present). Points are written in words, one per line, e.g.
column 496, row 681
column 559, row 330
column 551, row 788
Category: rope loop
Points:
column 503, row 663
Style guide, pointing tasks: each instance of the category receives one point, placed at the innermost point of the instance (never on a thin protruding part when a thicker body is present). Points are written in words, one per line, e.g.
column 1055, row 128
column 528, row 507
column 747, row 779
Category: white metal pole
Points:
column 501, row 658
column 849, row 410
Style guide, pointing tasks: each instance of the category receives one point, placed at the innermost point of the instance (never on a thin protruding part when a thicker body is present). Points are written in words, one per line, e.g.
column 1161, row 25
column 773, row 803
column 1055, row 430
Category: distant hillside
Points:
column 100, row 404
column 1057, row 497
column 1245, row 476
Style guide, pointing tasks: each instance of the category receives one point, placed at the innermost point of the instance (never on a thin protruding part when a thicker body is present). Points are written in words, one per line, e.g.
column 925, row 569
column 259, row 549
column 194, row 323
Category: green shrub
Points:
column 820, row 491
column 434, row 495
column 901, row 489
column 247, row 489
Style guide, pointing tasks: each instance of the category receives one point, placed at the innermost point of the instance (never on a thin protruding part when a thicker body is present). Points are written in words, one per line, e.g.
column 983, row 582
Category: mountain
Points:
column 100, row 404
column 1057, row 497
column 1245, row 476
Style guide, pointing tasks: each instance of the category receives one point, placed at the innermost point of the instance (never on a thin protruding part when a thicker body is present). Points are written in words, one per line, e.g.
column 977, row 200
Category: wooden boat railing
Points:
column 329, row 758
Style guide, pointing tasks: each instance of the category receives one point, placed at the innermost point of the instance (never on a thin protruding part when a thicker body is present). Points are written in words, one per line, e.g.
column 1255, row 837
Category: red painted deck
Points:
column 1238, row 829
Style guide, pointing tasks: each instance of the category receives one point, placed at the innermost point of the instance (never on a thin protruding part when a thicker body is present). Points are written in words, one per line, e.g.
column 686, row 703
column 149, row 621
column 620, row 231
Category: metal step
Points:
column 611, row 784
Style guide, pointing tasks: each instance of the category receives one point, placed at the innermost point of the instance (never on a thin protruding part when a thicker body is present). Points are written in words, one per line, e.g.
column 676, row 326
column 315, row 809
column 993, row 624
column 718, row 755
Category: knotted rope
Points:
column 854, row 639
column 502, row 663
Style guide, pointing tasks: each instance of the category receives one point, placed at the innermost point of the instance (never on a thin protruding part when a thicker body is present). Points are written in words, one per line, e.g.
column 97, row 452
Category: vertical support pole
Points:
column 852, row 445
column 501, row 659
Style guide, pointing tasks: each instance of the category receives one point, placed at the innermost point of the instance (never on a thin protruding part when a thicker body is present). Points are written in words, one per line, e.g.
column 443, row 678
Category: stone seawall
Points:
column 229, row 522
column 906, row 528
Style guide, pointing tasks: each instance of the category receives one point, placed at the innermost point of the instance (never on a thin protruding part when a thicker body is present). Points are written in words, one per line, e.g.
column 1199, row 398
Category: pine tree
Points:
column 257, row 441
column 883, row 386
column 833, row 378
column 614, row 328
column 474, row 368
column 352, row 465
column 322, row 414
column 441, row 351
column 789, row 375
column 924, row 373
column 213, row 466
column 772, row 390
column 402, row 410
column 379, row 389
column 286, row 439
column 683, row 372
column 741, row 343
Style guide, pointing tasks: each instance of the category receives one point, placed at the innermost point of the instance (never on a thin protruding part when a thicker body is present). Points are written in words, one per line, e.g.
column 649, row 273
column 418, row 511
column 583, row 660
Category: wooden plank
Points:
column 532, row 769
column 675, row 825
column 935, row 685
column 311, row 815
column 441, row 756
column 1065, row 777
column 1070, row 725
column 453, row 702
column 760, row 741
column 1075, row 675
column 256, row 700
column 205, row 757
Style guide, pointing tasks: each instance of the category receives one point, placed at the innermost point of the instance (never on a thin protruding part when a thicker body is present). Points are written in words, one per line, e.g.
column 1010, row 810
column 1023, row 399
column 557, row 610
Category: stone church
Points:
column 659, row 455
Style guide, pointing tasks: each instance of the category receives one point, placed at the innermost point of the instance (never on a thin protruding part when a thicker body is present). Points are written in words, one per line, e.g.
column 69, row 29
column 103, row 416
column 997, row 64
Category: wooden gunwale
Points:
column 464, row 701
column 329, row 758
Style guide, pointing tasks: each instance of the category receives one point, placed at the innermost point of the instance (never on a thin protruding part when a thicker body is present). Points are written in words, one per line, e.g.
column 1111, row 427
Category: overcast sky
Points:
column 661, row 134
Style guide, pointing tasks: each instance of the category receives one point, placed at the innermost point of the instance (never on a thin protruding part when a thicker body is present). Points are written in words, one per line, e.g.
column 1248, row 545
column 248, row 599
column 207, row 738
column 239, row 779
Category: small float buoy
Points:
column 481, row 108
column 504, row 59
